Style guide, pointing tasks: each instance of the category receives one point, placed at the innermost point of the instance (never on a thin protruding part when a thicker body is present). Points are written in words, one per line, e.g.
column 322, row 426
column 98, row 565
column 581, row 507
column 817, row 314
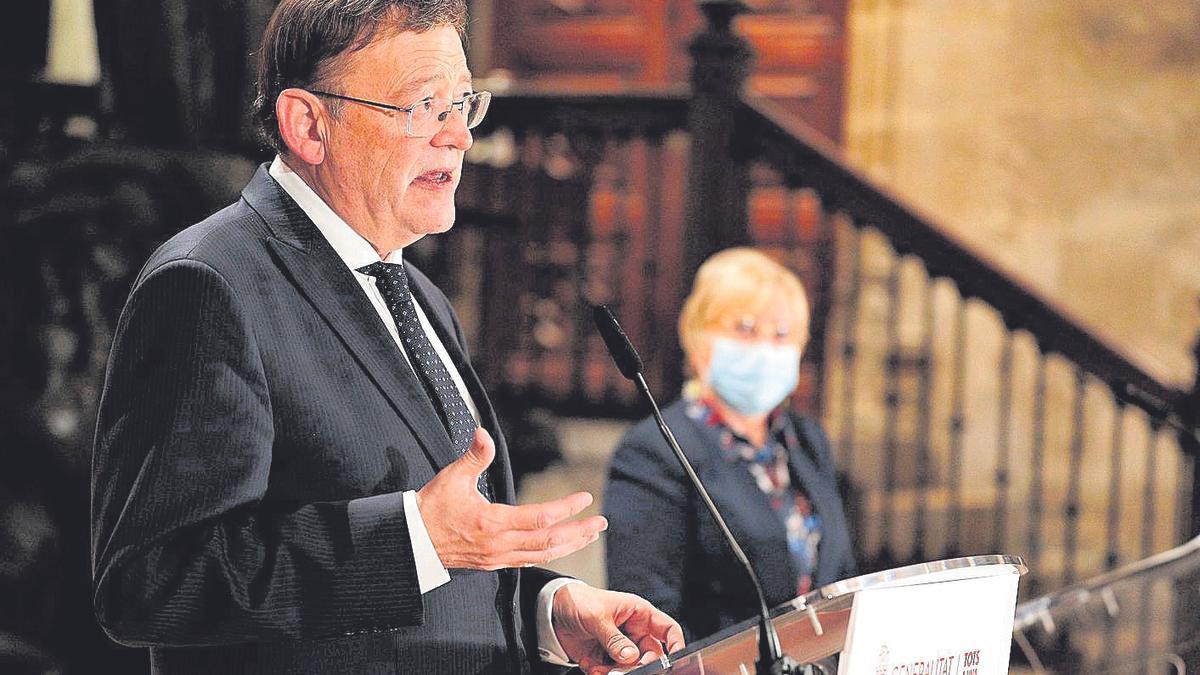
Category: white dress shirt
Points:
column 357, row 252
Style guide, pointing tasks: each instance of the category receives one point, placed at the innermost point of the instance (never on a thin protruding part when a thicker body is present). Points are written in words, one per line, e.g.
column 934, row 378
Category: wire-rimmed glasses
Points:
column 426, row 117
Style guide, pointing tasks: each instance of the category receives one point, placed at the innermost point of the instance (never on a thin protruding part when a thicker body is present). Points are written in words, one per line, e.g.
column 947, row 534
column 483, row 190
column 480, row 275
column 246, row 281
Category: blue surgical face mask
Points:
column 753, row 377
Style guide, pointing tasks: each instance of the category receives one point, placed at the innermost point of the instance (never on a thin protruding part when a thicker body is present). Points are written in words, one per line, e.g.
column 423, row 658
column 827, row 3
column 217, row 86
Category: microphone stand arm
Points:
column 771, row 659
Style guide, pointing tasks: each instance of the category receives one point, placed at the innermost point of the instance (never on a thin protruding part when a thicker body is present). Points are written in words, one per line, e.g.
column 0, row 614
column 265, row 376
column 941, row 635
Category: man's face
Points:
column 392, row 188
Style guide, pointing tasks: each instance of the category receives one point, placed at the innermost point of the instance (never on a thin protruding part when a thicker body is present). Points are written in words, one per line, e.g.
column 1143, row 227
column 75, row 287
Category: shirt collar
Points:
column 780, row 437
column 702, row 408
column 351, row 247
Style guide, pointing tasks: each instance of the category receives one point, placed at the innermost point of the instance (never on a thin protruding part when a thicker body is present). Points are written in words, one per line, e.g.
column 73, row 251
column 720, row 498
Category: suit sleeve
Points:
column 532, row 580
column 186, row 550
column 646, row 502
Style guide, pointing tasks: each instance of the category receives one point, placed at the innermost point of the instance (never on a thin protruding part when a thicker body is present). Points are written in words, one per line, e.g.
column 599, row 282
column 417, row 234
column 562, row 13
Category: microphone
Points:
column 771, row 660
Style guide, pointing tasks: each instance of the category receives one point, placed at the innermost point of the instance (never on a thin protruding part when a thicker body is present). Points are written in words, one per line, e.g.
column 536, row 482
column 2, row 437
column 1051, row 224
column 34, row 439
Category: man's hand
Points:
column 468, row 531
column 602, row 630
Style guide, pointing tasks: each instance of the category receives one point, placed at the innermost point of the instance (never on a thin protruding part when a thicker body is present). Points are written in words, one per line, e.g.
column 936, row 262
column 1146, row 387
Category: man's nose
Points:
column 454, row 132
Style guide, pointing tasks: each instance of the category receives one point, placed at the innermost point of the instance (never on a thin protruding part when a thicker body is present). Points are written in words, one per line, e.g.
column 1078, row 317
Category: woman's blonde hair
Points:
column 732, row 283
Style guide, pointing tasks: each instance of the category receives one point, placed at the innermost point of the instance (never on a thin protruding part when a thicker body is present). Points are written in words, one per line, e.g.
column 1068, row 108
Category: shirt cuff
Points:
column 549, row 648
column 430, row 571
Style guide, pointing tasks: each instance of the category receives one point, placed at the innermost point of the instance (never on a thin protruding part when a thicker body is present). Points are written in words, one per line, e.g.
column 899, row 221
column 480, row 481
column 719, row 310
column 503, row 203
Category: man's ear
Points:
column 302, row 124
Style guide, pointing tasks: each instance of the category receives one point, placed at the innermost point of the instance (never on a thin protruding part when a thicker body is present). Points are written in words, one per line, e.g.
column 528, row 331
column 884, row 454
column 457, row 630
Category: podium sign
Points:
column 960, row 627
column 946, row 617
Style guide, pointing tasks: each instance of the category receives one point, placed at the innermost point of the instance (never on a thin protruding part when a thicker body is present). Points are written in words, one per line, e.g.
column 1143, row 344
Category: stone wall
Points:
column 1061, row 138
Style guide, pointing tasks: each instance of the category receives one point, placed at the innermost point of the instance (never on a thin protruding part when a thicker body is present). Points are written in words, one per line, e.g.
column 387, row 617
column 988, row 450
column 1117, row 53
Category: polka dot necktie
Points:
column 392, row 282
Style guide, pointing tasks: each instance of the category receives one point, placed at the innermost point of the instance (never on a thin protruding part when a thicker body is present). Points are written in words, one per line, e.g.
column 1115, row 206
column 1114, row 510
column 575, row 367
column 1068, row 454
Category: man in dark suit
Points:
column 296, row 469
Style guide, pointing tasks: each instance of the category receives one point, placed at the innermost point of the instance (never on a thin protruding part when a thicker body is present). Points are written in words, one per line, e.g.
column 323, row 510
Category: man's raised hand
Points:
column 468, row 531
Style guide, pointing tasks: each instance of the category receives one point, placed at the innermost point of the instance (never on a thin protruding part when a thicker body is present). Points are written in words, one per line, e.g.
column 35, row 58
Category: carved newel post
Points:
column 718, row 182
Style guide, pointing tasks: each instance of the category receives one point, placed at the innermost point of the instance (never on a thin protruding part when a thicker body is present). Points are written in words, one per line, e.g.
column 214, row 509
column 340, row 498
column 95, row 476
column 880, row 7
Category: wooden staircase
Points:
column 970, row 414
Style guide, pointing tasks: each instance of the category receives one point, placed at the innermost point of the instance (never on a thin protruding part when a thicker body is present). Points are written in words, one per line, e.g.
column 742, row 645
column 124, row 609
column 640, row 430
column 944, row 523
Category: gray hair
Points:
column 304, row 38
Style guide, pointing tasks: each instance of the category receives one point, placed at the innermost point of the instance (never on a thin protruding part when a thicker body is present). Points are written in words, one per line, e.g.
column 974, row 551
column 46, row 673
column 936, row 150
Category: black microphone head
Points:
column 619, row 346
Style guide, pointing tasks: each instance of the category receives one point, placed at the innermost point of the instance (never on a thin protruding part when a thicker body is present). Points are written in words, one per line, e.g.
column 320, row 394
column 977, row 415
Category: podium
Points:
column 948, row 617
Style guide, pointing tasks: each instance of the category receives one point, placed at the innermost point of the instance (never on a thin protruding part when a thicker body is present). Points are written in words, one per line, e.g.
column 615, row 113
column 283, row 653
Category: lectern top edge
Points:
column 967, row 567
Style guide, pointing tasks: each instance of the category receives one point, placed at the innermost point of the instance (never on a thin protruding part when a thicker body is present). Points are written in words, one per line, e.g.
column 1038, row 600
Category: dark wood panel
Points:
column 790, row 43
column 607, row 46
column 554, row 9
column 589, row 44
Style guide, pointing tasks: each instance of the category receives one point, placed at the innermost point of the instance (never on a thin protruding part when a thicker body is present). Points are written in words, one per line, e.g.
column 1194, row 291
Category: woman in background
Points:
column 769, row 470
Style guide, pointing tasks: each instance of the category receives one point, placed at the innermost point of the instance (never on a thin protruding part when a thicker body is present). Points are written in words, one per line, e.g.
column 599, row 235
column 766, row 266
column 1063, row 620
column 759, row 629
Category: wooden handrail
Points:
column 807, row 159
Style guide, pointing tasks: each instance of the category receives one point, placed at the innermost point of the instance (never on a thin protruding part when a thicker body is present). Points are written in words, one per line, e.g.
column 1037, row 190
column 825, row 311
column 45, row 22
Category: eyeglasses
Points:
column 427, row 117
column 748, row 327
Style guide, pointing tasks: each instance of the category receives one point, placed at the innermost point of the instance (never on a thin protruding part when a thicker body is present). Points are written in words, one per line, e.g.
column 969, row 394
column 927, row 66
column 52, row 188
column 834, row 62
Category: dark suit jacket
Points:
column 257, row 426
column 663, row 545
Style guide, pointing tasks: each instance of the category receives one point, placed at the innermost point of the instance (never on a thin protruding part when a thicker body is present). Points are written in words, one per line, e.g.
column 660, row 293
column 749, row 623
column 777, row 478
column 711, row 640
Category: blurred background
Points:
column 995, row 207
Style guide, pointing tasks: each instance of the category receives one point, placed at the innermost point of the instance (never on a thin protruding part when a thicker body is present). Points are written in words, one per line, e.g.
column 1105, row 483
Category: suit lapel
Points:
column 501, row 473
column 734, row 487
column 744, row 504
column 325, row 281
column 822, row 495
column 805, row 469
